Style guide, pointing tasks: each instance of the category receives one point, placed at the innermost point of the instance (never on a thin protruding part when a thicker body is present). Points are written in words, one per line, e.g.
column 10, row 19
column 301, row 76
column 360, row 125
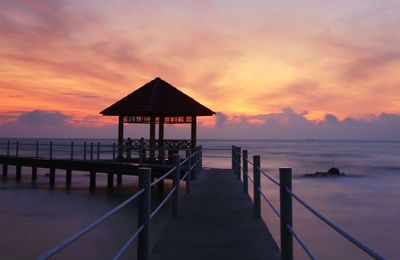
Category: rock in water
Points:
column 331, row 172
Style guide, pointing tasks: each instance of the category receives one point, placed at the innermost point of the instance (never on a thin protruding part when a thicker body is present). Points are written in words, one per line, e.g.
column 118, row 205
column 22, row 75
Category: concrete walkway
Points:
column 216, row 222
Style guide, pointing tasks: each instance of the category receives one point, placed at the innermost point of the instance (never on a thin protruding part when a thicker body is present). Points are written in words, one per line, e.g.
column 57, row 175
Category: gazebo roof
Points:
column 157, row 98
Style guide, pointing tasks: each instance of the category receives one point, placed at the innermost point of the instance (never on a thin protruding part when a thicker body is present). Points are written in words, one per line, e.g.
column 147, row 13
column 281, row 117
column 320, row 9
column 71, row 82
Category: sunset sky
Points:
column 325, row 63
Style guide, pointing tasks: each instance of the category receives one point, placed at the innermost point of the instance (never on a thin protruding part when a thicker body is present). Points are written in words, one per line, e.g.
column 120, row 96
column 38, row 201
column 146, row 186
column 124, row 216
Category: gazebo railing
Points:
column 167, row 144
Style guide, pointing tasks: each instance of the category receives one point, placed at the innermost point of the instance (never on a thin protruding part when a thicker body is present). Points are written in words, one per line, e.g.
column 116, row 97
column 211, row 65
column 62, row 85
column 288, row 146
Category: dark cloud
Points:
column 221, row 118
column 39, row 117
column 289, row 124
column 331, row 119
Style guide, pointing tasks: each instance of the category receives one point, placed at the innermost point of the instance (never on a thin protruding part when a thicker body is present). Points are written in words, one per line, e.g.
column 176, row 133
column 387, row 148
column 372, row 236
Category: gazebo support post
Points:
column 120, row 137
column 194, row 132
column 152, row 137
column 161, row 151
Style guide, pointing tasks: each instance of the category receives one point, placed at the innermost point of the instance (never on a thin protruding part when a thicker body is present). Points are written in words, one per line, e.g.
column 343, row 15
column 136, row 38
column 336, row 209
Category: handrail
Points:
column 301, row 242
column 285, row 214
column 265, row 174
column 54, row 250
column 128, row 243
column 156, row 210
column 338, row 229
column 269, row 202
column 163, row 177
column 143, row 229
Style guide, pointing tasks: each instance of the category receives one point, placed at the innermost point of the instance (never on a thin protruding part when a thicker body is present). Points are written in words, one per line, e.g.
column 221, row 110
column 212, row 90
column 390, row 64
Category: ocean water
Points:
column 365, row 202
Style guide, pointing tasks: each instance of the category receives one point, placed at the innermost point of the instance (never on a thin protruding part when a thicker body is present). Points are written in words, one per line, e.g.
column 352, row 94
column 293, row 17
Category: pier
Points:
column 216, row 222
column 216, row 218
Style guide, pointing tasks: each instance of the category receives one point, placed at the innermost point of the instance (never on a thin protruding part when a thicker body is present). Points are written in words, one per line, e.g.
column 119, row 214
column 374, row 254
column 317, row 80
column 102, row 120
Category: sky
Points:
column 270, row 69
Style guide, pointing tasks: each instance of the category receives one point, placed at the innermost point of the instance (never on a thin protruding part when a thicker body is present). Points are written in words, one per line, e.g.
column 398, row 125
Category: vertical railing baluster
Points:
column 175, row 204
column 201, row 156
column 84, row 150
column 37, row 149
column 51, row 150
column 8, row 147
column 189, row 171
column 113, row 151
column 17, row 149
column 245, row 172
column 256, row 187
column 285, row 182
column 141, row 148
column 233, row 160
column 98, row 151
column 72, row 151
column 144, row 214
column 239, row 169
column 91, row 151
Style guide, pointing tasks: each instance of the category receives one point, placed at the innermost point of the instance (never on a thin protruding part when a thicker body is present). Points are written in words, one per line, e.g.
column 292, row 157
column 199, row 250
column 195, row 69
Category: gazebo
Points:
column 157, row 102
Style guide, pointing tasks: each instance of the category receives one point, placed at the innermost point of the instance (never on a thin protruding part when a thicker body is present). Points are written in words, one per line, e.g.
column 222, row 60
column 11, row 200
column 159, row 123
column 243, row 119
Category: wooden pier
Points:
column 93, row 167
column 216, row 222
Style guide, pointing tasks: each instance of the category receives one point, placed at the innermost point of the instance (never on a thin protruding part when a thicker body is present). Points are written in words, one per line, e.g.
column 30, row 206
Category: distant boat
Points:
column 311, row 139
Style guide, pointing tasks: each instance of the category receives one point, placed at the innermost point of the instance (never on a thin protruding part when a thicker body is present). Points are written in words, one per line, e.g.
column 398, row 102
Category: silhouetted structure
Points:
column 156, row 102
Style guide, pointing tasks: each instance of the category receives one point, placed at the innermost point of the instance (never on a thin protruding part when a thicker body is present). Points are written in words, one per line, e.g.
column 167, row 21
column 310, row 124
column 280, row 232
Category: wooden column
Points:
column 161, row 151
column 194, row 132
column 152, row 136
column 68, row 178
column 92, row 181
column 110, row 180
column 120, row 137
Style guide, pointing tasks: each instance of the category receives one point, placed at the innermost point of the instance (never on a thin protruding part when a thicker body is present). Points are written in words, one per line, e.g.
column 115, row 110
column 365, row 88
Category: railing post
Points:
column 189, row 171
column 92, row 181
column 18, row 172
column 144, row 214
column 176, row 176
column 91, row 151
column 128, row 148
column 197, row 162
column 256, row 187
column 239, row 169
column 201, row 156
column 141, row 148
column 98, row 151
column 113, row 151
column 84, row 151
column 37, row 149
column 245, row 172
column 17, row 149
column 8, row 147
column 72, row 150
column 194, row 172
column 51, row 150
column 233, row 159
column 285, row 182
column 52, row 177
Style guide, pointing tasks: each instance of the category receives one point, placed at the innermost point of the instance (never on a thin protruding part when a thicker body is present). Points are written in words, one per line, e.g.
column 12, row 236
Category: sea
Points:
column 365, row 202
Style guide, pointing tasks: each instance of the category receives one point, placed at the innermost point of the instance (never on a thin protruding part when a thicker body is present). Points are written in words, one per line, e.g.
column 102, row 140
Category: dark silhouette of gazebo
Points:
column 156, row 102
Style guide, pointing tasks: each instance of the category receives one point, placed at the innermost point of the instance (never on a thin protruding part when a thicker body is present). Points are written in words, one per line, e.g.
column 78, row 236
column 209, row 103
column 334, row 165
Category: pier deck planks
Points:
column 216, row 222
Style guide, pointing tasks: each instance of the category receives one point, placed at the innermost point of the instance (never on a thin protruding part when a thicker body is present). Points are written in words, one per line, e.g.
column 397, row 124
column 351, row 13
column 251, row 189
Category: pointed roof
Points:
column 157, row 98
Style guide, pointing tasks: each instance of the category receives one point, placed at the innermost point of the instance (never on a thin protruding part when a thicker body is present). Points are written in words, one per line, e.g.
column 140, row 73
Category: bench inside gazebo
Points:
column 156, row 102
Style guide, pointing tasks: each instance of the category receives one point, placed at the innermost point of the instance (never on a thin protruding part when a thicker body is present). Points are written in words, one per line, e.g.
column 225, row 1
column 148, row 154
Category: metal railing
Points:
column 192, row 165
column 285, row 213
column 78, row 150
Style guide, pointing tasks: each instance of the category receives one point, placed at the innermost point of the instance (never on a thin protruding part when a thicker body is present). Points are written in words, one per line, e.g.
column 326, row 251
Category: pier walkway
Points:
column 216, row 222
